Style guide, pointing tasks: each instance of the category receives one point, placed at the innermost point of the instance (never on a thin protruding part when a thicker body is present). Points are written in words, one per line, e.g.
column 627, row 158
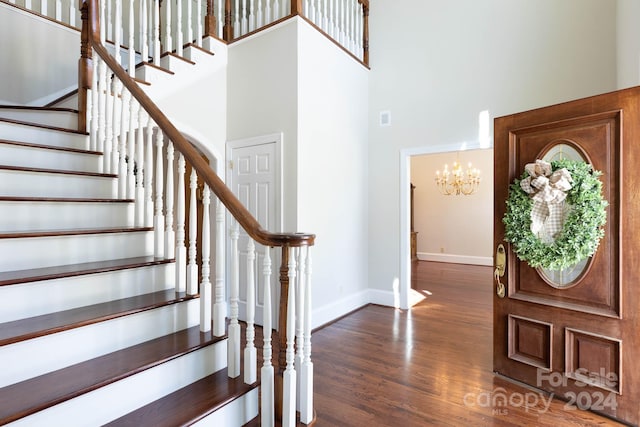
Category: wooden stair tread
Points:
column 74, row 232
column 71, row 270
column 32, row 327
column 57, row 171
column 29, row 396
column 49, row 147
column 189, row 404
column 32, row 108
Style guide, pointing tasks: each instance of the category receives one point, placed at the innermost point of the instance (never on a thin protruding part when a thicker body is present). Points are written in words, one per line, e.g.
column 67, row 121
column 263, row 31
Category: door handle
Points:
column 501, row 266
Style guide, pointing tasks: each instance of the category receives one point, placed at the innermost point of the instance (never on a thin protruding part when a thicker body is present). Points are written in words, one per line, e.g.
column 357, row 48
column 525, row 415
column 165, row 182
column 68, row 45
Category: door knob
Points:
column 501, row 265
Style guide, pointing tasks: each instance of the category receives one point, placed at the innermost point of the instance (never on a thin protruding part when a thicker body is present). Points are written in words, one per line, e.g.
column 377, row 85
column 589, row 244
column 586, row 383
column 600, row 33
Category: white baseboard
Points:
column 456, row 259
column 330, row 312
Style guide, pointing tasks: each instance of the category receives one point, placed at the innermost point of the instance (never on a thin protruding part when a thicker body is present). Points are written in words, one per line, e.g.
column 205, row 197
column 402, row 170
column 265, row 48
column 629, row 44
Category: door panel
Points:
column 579, row 341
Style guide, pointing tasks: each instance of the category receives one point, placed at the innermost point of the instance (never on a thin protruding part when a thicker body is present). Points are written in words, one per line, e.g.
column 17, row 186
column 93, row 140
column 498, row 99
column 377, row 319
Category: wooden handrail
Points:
column 226, row 196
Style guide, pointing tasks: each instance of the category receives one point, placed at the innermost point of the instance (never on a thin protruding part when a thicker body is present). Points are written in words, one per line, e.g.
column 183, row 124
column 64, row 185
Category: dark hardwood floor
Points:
column 430, row 366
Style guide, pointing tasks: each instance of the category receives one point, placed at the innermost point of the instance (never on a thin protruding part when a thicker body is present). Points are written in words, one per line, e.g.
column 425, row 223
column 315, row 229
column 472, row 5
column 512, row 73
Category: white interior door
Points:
column 253, row 174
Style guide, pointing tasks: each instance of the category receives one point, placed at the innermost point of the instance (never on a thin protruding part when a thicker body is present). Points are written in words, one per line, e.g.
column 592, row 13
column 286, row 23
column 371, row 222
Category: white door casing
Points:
column 254, row 174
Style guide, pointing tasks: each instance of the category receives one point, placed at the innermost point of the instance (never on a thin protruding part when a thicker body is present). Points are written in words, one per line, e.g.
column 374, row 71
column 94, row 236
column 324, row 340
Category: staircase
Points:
column 92, row 329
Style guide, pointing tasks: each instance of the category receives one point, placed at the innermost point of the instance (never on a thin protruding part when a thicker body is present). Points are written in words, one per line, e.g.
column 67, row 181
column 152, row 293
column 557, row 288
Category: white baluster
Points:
column 266, row 373
column 117, row 23
column 117, row 116
column 122, row 161
column 168, row 38
column 58, row 11
column 148, row 175
column 259, row 16
column 199, row 20
column 220, row 18
column 236, row 22
column 131, row 153
column 95, row 101
column 158, row 224
column 44, row 7
column 132, row 45
column 189, row 21
column 90, row 94
column 233, row 346
column 107, row 19
column 144, row 43
column 267, row 13
column 325, row 16
column 156, row 32
column 311, row 10
column 250, row 353
column 103, row 19
column 332, row 18
column 220, row 305
column 245, row 26
column 181, row 249
column 170, row 235
column 140, row 168
column 276, row 10
column 205, row 286
column 343, row 21
column 252, row 16
column 306, row 371
column 27, row 4
column 108, row 141
column 73, row 16
column 192, row 266
column 102, row 90
column 179, row 35
column 299, row 318
column 289, row 375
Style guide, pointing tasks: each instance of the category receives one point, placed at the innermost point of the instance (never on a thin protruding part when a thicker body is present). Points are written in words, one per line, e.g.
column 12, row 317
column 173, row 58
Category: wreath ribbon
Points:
column 548, row 190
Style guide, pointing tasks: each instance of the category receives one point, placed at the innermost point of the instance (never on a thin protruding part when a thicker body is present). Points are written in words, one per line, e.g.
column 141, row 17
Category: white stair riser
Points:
column 68, row 102
column 37, row 252
column 49, row 296
column 115, row 400
column 61, row 119
column 236, row 413
column 196, row 55
column 176, row 65
column 43, row 184
column 34, row 216
column 37, row 135
column 43, row 158
column 151, row 74
column 67, row 348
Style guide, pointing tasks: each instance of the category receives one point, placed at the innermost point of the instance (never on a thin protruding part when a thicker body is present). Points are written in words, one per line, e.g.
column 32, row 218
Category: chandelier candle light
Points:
column 457, row 181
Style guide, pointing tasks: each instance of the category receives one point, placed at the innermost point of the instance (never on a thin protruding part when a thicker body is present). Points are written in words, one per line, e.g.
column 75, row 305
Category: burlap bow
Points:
column 548, row 191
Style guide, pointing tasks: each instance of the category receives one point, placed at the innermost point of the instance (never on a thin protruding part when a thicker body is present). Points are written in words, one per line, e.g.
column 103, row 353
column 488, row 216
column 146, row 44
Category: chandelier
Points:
column 458, row 181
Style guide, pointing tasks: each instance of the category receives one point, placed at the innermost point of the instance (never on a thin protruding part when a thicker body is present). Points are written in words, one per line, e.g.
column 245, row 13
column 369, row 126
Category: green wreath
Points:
column 581, row 231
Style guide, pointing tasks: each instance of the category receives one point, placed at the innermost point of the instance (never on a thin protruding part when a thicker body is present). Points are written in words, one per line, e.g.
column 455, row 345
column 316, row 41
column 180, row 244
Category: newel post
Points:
column 296, row 7
column 281, row 360
column 85, row 67
column 365, row 32
column 210, row 21
column 227, row 30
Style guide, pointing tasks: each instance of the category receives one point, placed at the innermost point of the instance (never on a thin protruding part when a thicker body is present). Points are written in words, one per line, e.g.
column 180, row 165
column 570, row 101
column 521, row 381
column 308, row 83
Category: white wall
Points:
column 263, row 99
column 332, row 172
column 435, row 65
column 453, row 228
column 39, row 59
column 295, row 81
column 628, row 43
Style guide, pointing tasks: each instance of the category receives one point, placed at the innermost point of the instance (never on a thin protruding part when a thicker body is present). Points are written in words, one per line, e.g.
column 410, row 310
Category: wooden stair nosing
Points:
column 154, row 66
column 49, row 147
column 72, row 270
column 35, row 394
column 74, row 232
column 62, row 199
column 32, row 108
column 189, row 404
column 175, row 55
column 46, row 324
column 194, row 45
column 57, row 171
column 39, row 125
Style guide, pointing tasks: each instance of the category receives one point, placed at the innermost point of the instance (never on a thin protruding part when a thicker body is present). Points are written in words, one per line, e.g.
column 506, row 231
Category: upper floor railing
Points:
column 166, row 25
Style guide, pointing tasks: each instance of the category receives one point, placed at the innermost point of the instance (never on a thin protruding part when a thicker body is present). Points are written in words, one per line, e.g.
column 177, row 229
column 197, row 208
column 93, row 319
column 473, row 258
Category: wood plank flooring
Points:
column 430, row 366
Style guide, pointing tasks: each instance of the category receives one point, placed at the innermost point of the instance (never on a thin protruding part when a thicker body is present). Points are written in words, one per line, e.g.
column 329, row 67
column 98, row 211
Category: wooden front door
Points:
column 575, row 334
